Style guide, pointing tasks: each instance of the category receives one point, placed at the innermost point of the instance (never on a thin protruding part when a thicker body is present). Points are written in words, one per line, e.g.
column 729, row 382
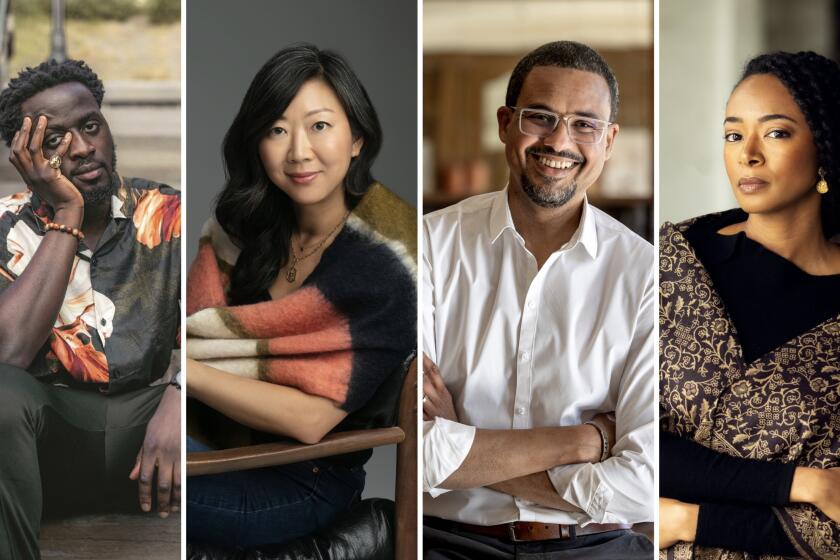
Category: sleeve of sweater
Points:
column 372, row 284
column 754, row 529
column 734, row 494
column 693, row 473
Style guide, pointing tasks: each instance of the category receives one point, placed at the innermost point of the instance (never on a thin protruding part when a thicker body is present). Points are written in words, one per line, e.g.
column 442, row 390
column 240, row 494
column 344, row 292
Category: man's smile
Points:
column 556, row 164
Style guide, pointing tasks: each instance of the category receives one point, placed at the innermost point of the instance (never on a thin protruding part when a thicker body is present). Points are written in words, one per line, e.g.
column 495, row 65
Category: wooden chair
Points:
column 404, row 434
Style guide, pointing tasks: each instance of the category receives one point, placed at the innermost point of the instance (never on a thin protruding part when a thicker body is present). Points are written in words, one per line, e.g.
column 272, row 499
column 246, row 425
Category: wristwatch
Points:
column 176, row 381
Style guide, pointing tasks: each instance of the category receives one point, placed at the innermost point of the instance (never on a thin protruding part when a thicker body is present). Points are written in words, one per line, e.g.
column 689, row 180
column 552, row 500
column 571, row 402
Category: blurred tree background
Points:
column 120, row 39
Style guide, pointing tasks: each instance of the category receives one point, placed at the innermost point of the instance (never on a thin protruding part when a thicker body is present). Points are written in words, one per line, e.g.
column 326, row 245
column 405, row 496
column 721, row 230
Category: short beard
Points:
column 541, row 195
column 98, row 195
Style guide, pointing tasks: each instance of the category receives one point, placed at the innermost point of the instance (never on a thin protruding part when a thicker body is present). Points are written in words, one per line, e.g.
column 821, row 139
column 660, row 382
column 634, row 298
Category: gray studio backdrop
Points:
column 227, row 42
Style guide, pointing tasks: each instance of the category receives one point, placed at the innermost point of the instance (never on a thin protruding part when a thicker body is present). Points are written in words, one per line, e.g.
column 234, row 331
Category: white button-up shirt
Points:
column 524, row 348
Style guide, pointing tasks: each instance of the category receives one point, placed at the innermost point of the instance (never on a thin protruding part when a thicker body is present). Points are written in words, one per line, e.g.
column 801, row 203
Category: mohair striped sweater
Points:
column 350, row 324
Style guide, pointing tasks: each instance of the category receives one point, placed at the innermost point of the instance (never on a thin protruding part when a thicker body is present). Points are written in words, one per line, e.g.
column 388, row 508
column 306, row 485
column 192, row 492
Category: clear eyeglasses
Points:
column 541, row 123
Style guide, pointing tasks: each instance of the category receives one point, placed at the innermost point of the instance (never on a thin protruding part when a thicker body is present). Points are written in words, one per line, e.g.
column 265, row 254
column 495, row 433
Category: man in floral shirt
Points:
column 89, row 317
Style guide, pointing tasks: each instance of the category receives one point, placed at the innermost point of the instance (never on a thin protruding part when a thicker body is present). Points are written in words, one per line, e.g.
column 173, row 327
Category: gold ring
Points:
column 55, row 161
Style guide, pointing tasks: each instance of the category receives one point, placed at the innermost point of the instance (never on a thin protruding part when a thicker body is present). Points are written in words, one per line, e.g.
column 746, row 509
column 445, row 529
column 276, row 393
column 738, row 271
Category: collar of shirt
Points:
column 501, row 220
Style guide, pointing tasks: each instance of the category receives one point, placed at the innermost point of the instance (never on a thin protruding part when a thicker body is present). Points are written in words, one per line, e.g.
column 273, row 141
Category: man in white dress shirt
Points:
column 538, row 326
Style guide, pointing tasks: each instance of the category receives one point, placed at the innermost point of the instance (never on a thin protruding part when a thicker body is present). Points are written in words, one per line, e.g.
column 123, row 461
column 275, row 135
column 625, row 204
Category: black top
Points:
column 693, row 473
column 770, row 301
column 734, row 494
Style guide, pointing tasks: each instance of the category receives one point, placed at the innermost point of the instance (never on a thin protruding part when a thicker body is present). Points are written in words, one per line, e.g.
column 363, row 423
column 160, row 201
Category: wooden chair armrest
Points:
column 282, row 453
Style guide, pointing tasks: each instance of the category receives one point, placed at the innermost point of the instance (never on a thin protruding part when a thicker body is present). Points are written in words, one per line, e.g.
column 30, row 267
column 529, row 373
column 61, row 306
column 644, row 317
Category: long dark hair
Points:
column 257, row 215
column 814, row 82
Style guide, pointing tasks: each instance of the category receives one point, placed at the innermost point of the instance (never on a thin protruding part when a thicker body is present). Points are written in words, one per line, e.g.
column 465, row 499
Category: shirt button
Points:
column 520, row 410
column 531, row 304
column 525, row 356
column 93, row 261
column 103, row 322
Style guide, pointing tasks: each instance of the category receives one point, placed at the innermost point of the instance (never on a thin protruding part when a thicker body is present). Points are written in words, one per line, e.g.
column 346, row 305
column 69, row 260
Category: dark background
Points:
column 227, row 43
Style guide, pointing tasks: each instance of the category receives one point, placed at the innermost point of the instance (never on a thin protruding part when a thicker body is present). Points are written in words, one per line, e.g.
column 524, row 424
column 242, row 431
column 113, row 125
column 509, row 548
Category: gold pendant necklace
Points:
column 291, row 274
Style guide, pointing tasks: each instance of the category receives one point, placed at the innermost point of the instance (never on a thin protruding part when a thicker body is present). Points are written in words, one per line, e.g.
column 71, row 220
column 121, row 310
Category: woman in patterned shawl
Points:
column 750, row 332
column 301, row 302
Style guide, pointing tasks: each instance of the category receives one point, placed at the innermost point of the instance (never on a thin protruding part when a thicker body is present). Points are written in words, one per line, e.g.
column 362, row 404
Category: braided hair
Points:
column 35, row 80
column 814, row 82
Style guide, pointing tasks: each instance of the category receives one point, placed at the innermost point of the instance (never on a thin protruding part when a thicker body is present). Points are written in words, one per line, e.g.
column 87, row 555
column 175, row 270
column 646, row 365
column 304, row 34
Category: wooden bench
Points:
column 124, row 536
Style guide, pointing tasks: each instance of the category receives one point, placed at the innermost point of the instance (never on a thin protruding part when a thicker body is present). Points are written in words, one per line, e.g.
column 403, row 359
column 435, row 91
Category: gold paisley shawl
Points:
column 784, row 406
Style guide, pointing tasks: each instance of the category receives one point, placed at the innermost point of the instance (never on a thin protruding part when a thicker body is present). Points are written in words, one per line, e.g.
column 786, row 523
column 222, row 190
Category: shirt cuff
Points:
column 445, row 446
column 582, row 486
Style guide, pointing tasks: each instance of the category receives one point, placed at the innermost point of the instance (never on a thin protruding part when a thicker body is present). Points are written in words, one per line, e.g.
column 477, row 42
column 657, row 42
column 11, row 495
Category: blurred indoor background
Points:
column 703, row 48
column 470, row 48
column 135, row 48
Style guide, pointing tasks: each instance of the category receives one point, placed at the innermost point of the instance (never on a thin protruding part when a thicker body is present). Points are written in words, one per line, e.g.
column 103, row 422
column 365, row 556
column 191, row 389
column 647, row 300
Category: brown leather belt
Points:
column 523, row 531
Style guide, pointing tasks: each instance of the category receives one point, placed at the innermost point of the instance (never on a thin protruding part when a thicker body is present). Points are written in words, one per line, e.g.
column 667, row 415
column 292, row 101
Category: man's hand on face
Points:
column 436, row 398
column 27, row 155
column 162, row 450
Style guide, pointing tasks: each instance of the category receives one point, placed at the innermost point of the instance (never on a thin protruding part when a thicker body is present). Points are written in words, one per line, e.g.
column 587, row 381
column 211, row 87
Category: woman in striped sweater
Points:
column 301, row 301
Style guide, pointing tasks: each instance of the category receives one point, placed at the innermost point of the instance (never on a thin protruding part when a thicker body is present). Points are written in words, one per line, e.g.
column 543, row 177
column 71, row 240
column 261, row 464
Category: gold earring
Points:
column 822, row 185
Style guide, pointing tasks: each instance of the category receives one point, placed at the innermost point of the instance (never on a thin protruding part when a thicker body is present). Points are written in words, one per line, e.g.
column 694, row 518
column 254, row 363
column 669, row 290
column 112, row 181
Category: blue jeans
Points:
column 269, row 505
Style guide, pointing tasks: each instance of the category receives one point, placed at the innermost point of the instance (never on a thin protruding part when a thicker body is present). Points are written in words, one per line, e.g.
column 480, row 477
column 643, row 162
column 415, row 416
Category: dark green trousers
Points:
column 64, row 451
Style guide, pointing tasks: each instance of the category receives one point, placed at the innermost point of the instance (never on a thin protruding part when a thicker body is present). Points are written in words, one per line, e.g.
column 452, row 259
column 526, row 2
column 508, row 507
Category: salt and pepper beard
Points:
column 543, row 195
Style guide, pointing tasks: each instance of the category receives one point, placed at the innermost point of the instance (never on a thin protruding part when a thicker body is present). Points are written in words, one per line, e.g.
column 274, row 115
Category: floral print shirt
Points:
column 118, row 328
